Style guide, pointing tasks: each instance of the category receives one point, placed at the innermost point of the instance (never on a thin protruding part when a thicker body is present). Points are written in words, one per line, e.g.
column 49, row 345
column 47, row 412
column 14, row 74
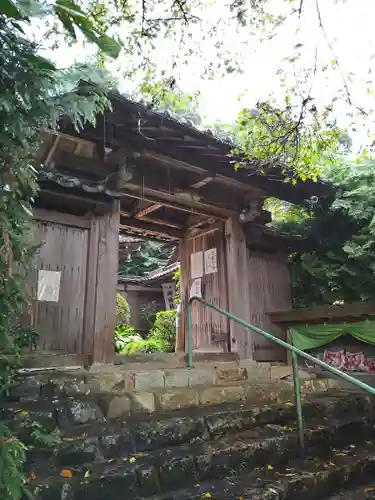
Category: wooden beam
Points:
column 202, row 181
column 85, row 198
column 145, row 211
column 62, row 218
column 151, row 228
column 196, row 233
column 179, row 202
column 159, row 189
column 321, row 314
column 163, row 222
column 51, row 151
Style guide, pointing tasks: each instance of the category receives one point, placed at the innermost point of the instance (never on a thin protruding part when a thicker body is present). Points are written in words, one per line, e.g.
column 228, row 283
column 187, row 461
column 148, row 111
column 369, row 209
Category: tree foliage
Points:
column 151, row 255
column 33, row 97
column 339, row 261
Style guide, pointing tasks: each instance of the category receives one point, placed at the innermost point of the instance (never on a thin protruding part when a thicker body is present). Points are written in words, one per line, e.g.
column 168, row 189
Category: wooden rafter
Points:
column 147, row 210
column 52, row 151
column 150, row 228
column 202, row 181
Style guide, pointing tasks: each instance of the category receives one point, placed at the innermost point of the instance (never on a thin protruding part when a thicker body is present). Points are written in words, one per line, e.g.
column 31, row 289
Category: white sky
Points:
column 349, row 26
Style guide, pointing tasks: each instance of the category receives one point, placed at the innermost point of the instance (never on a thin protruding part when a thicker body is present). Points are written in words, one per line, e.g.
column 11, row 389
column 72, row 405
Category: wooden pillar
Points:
column 181, row 331
column 241, row 339
column 100, row 310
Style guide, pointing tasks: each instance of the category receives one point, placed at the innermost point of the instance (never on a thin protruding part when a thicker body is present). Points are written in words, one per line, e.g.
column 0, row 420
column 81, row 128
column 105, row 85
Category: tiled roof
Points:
column 167, row 271
column 68, row 181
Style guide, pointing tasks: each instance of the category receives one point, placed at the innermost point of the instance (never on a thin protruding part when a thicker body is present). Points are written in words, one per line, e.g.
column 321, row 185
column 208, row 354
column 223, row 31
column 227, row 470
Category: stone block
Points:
column 74, row 386
column 27, row 389
column 148, row 480
column 226, row 375
column 107, row 382
column 173, row 400
column 269, row 393
column 153, row 379
column 78, row 412
column 177, row 378
column 117, row 444
column 217, row 395
column 142, row 401
column 80, row 451
column 201, row 376
column 118, row 406
column 177, row 471
column 256, row 371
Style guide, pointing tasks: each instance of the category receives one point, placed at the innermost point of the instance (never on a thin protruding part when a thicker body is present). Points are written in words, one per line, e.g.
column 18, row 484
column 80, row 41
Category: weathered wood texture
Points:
column 269, row 290
column 106, row 281
column 339, row 313
column 60, row 324
column 84, row 318
column 181, row 331
column 208, row 325
column 238, row 287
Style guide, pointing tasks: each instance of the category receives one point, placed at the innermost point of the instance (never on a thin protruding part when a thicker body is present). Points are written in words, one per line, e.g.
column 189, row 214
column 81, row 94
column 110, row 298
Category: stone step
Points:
column 123, row 379
column 364, row 492
column 308, row 479
column 253, row 457
column 81, row 420
column 110, row 392
column 94, row 442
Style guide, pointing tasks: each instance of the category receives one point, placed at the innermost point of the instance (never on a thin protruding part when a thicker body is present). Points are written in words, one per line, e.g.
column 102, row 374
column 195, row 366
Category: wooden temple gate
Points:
column 168, row 181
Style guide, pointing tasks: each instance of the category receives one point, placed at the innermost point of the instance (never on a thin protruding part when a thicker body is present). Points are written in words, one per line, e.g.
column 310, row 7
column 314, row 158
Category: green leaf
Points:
column 109, row 45
column 9, row 9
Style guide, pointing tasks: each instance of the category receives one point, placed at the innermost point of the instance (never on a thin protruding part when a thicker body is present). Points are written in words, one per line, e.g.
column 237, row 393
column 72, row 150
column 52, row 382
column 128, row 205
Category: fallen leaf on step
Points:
column 331, row 463
column 32, row 475
column 207, row 495
column 66, row 473
column 132, row 460
column 269, row 467
column 111, row 460
column 87, row 474
column 341, row 454
column 289, row 403
column 169, row 452
column 368, row 490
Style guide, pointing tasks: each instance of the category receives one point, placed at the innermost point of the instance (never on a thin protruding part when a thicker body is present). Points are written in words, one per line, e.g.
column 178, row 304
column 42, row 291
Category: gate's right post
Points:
column 238, row 287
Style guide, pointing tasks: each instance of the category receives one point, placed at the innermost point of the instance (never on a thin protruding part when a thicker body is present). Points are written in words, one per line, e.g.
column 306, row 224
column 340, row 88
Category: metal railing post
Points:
column 190, row 336
column 298, row 398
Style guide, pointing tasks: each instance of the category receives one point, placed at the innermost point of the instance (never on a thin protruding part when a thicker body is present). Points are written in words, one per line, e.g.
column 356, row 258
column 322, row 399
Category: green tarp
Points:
column 311, row 336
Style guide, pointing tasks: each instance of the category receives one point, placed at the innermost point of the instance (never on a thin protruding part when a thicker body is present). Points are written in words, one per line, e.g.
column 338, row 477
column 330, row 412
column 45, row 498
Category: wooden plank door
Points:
column 269, row 283
column 60, row 325
column 210, row 329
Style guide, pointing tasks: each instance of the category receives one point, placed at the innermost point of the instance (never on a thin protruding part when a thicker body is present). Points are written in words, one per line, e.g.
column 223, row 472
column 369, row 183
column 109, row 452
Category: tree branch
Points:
column 321, row 26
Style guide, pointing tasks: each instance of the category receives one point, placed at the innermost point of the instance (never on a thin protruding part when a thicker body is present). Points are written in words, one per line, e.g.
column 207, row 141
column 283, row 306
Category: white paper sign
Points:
column 48, row 285
column 210, row 261
column 196, row 288
column 196, row 265
column 169, row 292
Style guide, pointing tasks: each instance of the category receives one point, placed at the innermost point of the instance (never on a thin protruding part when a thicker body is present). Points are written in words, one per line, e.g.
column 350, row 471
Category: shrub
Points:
column 163, row 333
column 148, row 312
column 123, row 335
column 122, row 311
column 177, row 280
column 128, row 341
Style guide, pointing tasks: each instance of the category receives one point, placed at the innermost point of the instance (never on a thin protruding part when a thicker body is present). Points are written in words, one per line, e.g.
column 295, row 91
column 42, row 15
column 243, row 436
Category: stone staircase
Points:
column 242, row 444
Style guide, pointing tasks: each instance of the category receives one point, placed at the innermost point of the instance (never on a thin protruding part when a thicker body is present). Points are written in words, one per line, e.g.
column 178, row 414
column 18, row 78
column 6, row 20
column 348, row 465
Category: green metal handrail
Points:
column 295, row 353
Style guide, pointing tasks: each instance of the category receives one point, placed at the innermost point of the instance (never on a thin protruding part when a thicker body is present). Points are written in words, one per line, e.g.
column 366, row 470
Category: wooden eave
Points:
column 348, row 313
